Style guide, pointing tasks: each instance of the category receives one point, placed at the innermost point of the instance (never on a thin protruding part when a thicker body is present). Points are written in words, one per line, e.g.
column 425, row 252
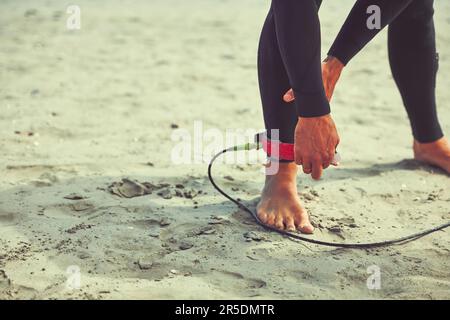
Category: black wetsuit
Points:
column 289, row 56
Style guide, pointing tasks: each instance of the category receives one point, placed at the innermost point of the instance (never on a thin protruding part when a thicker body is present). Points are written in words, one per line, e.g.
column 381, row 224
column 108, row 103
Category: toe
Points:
column 290, row 224
column 270, row 219
column 302, row 222
column 306, row 228
column 262, row 215
column 279, row 222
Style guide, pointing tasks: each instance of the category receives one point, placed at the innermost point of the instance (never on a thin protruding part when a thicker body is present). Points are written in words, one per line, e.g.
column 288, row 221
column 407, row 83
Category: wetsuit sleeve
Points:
column 355, row 33
column 298, row 32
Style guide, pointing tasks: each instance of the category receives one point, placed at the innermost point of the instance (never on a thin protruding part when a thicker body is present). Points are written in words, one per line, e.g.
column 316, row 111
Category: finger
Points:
column 298, row 157
column 326, row 161
column 329, row 95
column 336, row 159
column 289, row 96
column 326, row 86
column 307, row 167
column 317, row 170
column 329, row 89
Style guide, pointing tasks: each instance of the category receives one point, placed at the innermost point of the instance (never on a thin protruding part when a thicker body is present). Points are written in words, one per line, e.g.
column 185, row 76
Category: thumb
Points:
column 289, row 96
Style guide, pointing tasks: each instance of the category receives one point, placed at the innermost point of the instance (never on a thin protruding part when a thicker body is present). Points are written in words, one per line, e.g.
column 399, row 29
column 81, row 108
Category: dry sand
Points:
column 83, row 109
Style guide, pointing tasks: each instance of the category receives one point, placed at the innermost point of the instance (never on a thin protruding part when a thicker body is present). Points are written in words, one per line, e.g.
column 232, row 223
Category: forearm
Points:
column 355, row 33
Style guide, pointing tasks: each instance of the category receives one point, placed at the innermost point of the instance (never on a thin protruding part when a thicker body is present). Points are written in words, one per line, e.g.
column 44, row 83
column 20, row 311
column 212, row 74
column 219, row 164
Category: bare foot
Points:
column 280, row 205
column 435, row 153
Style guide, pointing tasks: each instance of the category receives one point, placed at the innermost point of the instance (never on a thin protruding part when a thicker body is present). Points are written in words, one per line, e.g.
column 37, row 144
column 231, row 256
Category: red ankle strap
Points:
column 276, row 149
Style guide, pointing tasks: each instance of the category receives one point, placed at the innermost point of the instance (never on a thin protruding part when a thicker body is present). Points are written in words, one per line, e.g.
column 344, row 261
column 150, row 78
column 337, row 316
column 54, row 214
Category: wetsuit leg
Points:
column 289, row 57
column 273, row 83
column 354, row 34
column 297, row 28
column 412, row 55
column 414, row 64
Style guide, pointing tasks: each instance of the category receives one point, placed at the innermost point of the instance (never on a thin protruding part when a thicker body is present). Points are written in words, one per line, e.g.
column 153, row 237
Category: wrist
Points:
column 333, row 63
column 326, row 116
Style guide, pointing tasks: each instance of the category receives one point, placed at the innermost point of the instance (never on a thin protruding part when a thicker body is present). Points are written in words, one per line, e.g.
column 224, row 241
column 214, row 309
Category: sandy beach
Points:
column 86, row 113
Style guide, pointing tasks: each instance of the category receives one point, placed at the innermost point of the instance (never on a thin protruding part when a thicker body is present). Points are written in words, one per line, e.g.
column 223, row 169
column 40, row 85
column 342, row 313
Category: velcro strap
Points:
column 276, row 149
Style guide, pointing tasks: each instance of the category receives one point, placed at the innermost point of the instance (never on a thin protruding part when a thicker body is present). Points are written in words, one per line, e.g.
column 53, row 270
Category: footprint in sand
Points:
column 237, row 282
column 7, row 218
column 128, row 188
column 77, row 209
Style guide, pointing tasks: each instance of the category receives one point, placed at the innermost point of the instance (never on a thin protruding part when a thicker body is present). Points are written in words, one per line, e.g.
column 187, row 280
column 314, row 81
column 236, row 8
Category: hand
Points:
column 331, row 71
column 316, row 140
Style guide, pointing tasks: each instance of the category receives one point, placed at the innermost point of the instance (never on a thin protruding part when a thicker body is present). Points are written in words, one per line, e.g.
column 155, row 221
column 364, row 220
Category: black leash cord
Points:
column 296, row 236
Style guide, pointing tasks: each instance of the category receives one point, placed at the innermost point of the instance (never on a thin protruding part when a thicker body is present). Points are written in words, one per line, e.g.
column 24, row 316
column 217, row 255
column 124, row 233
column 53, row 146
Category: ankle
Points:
column 422, row 146
column 287, row 173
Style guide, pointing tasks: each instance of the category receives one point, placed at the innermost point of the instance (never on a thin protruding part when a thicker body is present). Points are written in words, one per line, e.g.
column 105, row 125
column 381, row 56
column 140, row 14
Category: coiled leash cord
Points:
column 256, row 146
